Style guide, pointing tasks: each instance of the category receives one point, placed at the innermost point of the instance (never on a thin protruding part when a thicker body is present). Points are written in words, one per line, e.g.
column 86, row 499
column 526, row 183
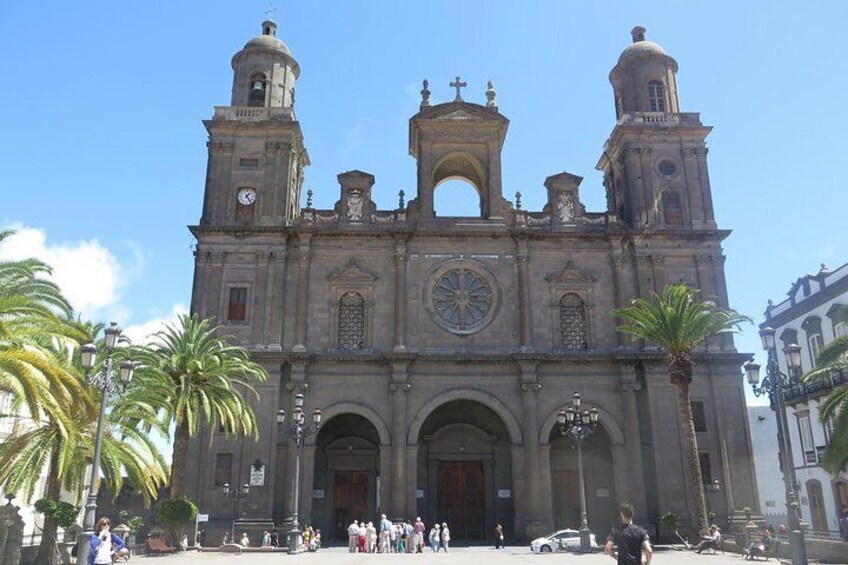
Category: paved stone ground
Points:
column 457, row 556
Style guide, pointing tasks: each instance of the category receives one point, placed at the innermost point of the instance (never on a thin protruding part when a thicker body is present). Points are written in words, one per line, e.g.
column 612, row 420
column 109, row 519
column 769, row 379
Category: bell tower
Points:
column 655, row 160
column 256, row 151
column 462, row 140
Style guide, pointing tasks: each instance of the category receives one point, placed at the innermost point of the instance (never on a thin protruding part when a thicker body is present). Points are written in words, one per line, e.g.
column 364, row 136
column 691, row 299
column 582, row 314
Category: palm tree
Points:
column 202, row 379
column 32, row 321
column 679, row 322
column 65, row 446
column 834, row 408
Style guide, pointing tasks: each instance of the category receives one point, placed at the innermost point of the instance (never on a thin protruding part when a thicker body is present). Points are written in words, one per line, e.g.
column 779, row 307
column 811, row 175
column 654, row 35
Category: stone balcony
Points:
column 659, row 118
column 252, row 114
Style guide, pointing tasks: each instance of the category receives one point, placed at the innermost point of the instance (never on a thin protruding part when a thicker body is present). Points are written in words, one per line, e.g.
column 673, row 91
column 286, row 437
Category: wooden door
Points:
column 814, row 492
column 461, row 499
column 566, row 491
column 350, row 500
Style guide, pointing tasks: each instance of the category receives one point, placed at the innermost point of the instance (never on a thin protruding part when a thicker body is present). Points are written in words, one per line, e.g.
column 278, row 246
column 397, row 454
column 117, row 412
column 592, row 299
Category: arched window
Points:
column 672, row 208
column 458, row 198
column 256, row 96
column 656, row 96
column 572, row 322
column 351, row 321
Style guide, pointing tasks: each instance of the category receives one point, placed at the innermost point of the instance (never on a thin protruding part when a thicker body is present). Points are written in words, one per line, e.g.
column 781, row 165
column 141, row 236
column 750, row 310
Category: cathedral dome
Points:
column 268, row 40
column 641, row 46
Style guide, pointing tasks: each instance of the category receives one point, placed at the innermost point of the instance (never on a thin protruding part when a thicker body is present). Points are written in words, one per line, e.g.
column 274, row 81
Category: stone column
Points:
column 399, row 388
column 546, row 487
column 400, row 258
column 634, row 484
column 494, row 195
column 215, row 279
column 259, row 326
column 617, row 263
column 635, row 196
column 411, row 479
column 522, row 259
column 385, row 473
column 198, row 287
column 530, row 411
column 275, row 303
column 425, row 182
column 304, row 259
column 519, row 492
column 307, row 481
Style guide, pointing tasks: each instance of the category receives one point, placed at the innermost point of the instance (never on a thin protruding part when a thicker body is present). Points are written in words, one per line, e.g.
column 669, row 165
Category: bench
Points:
column 773, row 550
column 159, row 547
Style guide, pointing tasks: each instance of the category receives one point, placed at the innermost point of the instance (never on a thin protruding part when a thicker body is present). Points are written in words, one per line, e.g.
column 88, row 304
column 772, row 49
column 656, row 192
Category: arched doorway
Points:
column 347, row 464
column 599, row 476
column 465, row 470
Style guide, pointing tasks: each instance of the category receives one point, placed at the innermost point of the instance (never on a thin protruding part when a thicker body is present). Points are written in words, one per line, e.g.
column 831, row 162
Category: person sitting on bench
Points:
column 710, row 540
column 760, row 549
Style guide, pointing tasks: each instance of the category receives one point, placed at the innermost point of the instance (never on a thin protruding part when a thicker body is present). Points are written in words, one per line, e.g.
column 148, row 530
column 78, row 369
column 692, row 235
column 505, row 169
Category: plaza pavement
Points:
column 457, row 556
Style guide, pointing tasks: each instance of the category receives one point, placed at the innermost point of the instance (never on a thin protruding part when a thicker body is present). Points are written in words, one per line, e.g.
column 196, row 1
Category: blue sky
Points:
column 103, row 153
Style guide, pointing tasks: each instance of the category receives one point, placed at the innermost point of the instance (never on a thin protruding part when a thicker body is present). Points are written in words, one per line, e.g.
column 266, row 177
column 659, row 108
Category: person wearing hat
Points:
column 710, row 540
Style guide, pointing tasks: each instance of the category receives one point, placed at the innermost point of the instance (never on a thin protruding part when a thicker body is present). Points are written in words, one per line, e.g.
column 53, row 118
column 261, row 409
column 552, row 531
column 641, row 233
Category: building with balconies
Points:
column 814, row 314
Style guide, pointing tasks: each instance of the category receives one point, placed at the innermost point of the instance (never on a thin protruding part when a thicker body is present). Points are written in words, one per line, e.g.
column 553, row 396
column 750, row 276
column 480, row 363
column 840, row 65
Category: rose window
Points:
column 462, row 301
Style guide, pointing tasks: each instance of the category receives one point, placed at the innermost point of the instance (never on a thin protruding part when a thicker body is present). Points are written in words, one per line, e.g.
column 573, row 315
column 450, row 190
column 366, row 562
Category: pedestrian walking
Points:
column 385, row 528
column 499, row 536
column 419, row 534
column 445, row 536
column 434, row 538
column 352, row 536
column 629, row 542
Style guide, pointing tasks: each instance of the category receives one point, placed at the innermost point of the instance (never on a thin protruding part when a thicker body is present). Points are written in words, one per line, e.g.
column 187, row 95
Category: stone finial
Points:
column 458, row 84
column 490, row 96
column 517, row 196
column 638, row 34
column 309, row 195
column 401, row 203
column 425, row 94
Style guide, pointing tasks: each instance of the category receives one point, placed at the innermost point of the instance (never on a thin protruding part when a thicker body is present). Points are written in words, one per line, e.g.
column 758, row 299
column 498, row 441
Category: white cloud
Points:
column 89, row 275
column 140, row 333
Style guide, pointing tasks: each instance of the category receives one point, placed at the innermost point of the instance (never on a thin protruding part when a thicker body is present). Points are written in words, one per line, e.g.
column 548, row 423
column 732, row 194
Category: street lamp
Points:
column 236, row 494
column 298, row 430
column 772, row 385
column 108, row 382
column 578, row 426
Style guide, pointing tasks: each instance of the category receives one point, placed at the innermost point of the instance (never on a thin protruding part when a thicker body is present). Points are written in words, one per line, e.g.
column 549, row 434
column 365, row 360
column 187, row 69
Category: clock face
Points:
column 246, row 196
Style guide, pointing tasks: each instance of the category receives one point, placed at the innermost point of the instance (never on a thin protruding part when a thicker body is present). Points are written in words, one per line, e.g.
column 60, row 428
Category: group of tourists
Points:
column 401, row 537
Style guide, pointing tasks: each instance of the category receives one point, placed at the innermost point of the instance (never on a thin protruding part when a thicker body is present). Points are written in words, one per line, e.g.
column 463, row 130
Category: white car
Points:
column 562, row 539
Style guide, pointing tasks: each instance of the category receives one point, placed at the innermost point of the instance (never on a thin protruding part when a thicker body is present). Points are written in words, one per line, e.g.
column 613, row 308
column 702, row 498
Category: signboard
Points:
column 602, row 493
column 504, row 493
column 257, row 476
column 203, row 517
column 419, row 493
column 318, row 493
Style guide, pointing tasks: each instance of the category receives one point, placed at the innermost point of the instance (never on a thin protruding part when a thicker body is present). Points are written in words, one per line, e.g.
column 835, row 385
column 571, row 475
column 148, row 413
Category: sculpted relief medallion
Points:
column 462, row 297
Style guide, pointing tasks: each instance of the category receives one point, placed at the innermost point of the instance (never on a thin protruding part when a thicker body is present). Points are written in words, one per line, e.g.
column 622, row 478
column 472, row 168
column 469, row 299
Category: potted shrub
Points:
column 174, row 514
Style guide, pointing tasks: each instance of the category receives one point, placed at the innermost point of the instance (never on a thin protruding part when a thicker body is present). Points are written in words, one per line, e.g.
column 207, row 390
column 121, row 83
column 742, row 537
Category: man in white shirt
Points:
column 352, row 536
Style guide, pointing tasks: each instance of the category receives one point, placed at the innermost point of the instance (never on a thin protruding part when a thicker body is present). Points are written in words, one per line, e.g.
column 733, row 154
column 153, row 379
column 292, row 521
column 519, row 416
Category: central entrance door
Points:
column 460, row 499
column 350, row 500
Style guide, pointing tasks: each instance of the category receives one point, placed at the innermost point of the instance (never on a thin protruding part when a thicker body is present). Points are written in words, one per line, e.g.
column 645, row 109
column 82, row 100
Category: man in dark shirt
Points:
column 630, row 540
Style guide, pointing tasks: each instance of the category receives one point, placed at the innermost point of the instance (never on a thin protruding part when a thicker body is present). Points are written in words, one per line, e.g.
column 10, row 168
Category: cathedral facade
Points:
column 440, row 349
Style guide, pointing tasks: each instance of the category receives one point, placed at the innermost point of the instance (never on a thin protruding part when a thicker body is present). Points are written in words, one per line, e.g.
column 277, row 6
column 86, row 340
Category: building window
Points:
column 828, row 426
column 815, row 341
column 672, row 208
column 245, row 163
column 223, row 469
column 806, row 433
column 840, row 329
column 257, row 91
column 351, row 321
column 699, row 415
column 572, row 320
column 656, row 96
column 706, row 468
column 237, row 309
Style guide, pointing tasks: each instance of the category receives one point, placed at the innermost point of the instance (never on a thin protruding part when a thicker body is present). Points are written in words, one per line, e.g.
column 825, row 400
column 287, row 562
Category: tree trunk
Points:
column 178, row 459
column 695, row 487
column 47, row 547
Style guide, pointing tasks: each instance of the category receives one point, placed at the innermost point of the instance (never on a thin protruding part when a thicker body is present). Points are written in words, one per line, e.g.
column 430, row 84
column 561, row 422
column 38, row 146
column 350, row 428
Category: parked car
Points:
column 569, row 539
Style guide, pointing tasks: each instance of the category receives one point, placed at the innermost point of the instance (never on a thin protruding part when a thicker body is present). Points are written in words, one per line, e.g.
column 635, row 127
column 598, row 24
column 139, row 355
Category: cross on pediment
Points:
column 457, row 84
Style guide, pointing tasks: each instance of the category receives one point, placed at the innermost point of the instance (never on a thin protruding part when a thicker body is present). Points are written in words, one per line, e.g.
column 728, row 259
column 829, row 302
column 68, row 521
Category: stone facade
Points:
column 441, row 348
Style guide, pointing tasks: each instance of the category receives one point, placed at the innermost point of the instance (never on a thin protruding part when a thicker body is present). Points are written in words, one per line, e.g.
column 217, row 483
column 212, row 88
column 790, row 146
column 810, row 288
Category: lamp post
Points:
column 578, row 426
column 298, row 430
column 105, row 380
column 772, row 385
column 236, row 494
